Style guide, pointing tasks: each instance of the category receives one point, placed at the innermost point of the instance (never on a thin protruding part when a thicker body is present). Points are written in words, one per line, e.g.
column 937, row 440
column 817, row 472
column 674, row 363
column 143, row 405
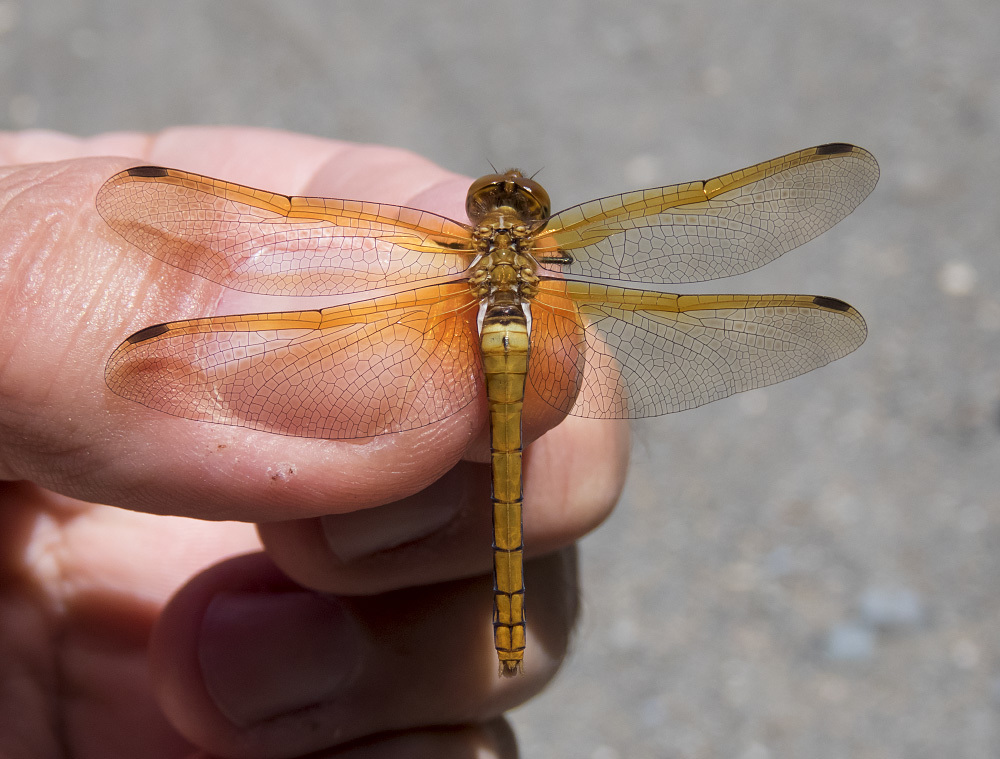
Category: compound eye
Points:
column 509, row 189
column 541, row 206
column 481, row 196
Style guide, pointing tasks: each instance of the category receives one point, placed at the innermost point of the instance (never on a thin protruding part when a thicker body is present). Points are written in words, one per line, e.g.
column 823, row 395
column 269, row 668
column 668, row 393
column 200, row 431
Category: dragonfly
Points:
column 573, row 307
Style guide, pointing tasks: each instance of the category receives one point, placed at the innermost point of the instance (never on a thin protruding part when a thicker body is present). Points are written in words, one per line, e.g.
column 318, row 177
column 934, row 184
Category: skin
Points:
column 138, row 614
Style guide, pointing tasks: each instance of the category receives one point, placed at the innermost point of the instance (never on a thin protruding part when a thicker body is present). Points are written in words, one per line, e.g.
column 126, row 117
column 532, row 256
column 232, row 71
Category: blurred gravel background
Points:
column 806, row 571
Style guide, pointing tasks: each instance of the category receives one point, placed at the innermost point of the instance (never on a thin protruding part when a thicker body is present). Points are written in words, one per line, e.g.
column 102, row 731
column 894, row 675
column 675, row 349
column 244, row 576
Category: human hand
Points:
column 394, row 532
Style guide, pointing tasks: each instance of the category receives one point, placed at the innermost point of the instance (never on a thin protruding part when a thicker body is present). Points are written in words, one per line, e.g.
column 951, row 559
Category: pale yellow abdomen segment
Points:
column 504, row 343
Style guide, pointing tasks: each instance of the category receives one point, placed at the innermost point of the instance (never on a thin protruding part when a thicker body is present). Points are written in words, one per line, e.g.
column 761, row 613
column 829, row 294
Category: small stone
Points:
column 957, row 278
column 850, row 641
column 889, row 608
column 965, row 654
column 779, row 562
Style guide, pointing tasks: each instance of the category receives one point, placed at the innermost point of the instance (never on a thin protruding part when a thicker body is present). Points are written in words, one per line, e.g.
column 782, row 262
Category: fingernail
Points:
column 267, row 654
column 363, row 533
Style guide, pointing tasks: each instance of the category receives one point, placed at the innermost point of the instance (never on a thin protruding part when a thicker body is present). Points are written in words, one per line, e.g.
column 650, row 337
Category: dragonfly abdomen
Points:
column 504, row 345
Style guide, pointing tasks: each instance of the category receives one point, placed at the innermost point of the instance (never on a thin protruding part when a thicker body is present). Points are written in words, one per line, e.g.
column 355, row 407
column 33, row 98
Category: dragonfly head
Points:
column 511, row 189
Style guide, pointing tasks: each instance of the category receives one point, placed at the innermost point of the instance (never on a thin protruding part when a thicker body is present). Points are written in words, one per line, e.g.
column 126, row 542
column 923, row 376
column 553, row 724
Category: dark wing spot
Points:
column 148, row 334
column 147, row 171
column 831, row 303
column 833, row 148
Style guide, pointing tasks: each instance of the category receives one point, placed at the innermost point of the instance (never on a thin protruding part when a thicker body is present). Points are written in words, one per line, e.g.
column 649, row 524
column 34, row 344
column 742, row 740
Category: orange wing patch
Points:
column 346, row 372
column 262, row 242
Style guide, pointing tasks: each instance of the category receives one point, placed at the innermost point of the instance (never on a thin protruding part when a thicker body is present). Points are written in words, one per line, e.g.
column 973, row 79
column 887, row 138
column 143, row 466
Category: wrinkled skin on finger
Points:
column 249, row 664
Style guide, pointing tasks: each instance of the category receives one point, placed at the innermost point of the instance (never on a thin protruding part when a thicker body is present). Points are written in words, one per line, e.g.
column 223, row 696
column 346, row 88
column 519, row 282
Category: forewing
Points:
column 699, row 231
column 261, row 242
column 644, row 354
column 355, row 371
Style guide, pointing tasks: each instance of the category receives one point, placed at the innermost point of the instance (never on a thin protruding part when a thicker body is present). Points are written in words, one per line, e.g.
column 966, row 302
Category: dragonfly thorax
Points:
column 503, row 242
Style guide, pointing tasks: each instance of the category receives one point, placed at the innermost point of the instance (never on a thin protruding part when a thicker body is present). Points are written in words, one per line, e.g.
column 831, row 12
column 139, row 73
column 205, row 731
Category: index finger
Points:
column 76, row 290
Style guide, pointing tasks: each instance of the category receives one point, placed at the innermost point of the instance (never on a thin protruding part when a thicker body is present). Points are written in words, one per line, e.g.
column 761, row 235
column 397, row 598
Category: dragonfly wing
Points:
column 355, row 371
column 640, row 354
column 261, row 242
column 699, row 231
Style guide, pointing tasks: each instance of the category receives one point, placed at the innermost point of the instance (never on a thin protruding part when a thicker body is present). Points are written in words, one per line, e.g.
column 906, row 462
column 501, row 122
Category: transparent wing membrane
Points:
column 261, row 242
column 640, row 354
column 402, row 361
column 699, row 231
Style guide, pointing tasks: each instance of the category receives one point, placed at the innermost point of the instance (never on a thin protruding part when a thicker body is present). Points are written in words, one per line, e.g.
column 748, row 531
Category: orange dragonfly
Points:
column 554, row 296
